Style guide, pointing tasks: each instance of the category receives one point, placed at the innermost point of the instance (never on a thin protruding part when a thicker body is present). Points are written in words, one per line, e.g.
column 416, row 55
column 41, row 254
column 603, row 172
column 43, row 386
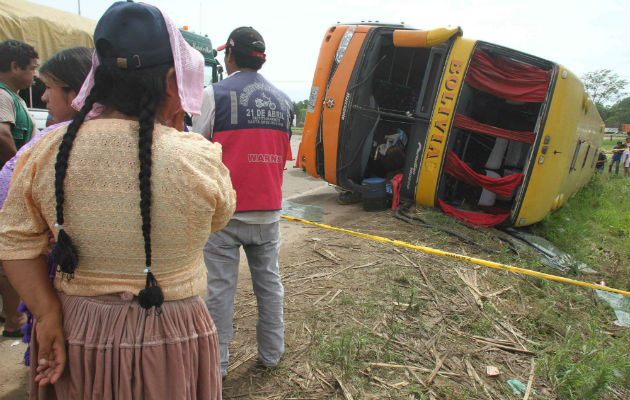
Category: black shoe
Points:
column 13, row 334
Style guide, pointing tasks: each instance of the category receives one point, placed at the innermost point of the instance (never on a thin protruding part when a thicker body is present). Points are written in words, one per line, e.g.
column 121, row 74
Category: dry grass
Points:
column 365, row 320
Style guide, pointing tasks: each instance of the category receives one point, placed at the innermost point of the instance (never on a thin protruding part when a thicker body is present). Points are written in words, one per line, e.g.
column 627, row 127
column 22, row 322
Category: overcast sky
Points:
column 583, row 35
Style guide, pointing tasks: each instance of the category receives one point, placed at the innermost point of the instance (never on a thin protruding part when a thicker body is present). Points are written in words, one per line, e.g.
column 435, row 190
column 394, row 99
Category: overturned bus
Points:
column 490, row 135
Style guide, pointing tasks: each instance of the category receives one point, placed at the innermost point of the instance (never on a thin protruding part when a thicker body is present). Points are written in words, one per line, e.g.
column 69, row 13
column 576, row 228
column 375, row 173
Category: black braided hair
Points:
column 64, row 254
column 151, row 295
column 136, row 93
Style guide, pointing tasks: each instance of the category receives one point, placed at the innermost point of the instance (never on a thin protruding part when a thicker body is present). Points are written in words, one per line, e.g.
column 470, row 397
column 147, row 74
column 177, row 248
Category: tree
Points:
column 618, row 114
column 604, row 86
column 300, row 111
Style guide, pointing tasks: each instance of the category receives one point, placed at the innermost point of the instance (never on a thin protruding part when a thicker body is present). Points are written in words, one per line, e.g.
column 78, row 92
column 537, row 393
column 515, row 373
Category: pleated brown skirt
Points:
column 118, row 350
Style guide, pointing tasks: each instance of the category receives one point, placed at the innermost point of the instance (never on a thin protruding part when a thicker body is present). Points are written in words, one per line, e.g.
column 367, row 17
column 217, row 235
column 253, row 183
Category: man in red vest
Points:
column 251, row 119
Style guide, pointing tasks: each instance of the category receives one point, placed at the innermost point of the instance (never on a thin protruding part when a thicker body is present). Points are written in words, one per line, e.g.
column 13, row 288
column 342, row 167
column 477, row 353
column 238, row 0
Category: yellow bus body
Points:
column 441, row 121
column 573, row 125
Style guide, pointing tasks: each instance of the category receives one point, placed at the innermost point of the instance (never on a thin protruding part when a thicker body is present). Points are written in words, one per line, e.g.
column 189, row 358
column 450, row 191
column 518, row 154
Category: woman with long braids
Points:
column 63, row 74
column 131, row 203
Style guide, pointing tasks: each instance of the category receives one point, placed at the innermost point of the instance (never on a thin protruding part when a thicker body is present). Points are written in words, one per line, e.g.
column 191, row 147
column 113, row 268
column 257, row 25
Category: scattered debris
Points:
column 585, row 269
column 550, row 254
column 620, row 304
column 346, row 393
column 473, row 374
column 517, row 386
column 302, row 211
column 491, row 370
column 530, row 382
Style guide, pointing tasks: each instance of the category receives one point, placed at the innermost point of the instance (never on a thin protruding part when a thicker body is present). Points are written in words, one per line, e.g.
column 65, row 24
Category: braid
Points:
column 145, row 140
column 151, row 295
column 133, row 93
column 64, row 253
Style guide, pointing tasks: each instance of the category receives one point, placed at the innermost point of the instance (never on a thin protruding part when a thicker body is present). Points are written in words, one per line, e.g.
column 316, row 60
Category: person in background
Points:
column 625, row 161
column 616, row 157
column 601, row 160
column 18, row 64
column 63, row 75
column 131, row 203
column 251, row 119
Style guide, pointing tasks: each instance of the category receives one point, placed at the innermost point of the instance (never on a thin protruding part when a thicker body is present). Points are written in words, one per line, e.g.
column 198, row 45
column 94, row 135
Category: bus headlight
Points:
column 345, row 41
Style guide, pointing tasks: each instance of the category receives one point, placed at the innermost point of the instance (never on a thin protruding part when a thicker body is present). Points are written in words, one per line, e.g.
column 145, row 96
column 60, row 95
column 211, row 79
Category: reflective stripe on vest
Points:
column 23, row 127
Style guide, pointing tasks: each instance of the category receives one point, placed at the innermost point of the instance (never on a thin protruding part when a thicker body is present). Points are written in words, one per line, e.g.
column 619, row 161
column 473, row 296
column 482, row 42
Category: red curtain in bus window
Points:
column 464, row 122
column 459, row 170
column 507, row 79
column 473, row 218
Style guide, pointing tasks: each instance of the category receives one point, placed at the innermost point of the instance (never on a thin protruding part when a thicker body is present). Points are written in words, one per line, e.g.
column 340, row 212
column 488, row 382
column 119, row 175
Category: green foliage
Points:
column 618, row 113
column 415, row 392
column 342, row 350
column 479, row 326
column 603, row 111
column 604, row 86
column 300, row 111
column 583, row 365
column 594, row 225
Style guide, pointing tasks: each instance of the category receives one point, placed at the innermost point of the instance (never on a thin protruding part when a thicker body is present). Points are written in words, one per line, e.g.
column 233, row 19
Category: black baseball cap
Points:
column 246, row 40
column 131, row 36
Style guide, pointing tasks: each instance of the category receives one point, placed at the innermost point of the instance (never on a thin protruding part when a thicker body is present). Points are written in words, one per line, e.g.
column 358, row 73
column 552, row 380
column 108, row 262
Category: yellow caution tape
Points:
column 491, row 264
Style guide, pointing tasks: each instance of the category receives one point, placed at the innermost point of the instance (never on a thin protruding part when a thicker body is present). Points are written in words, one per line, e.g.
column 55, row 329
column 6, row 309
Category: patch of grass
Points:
column 584, row 364
column 346, row 300
column 342, row 350
column 403, row 280
column 452, row 393
column 415, row 392
column 369, row 308
column 479, row 326
column 594, row 227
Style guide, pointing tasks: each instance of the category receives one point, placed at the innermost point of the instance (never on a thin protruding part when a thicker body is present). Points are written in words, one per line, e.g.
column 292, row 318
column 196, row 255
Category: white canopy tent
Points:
column 47, row 29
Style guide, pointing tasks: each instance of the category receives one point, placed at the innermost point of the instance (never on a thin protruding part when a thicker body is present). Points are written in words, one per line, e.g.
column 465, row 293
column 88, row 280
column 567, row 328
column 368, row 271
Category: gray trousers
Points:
column 221, row 254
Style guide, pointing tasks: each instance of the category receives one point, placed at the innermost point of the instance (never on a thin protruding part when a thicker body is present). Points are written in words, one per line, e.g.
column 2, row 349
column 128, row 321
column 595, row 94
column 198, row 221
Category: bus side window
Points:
column 586, row 155
column 575, row 155
column 430, row 82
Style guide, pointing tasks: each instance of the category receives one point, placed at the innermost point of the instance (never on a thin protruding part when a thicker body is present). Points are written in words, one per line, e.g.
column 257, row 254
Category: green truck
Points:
column 213, row 71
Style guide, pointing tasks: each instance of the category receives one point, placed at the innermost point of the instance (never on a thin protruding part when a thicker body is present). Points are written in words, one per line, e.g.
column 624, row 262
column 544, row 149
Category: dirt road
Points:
column 297, row 187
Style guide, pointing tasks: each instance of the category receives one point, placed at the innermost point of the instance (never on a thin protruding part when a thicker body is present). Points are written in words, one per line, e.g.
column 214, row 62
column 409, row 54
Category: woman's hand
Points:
column 30, row 279
column 51, row 356
column 51, row 241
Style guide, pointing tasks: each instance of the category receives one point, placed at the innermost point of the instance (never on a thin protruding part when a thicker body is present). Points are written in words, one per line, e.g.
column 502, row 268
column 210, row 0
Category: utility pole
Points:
column 79, row 6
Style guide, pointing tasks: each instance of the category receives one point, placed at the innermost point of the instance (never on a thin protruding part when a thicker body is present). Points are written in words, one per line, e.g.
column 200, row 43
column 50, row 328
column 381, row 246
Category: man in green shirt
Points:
column 18, row 65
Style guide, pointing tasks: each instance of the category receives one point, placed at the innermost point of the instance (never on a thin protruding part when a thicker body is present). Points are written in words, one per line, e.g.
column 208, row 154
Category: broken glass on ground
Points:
column 550, row 254
column 302, row 211
column 620, row 304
